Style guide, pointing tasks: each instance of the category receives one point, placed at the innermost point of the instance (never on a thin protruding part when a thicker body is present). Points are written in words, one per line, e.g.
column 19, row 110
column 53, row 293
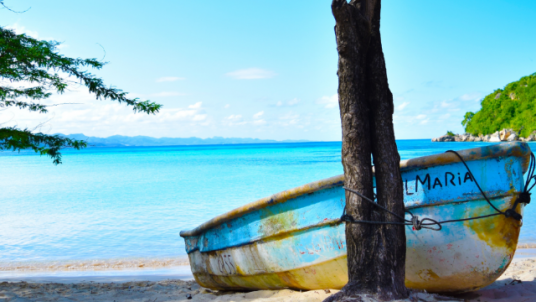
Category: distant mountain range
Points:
column 119, row 140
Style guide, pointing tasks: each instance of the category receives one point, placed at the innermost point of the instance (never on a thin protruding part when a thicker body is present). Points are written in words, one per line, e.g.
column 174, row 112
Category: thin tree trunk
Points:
column 376, row 253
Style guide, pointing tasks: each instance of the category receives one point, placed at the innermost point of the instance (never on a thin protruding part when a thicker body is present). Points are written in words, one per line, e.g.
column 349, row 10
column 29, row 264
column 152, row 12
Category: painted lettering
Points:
column 426, row 179
column 407, row 192
column 451, row 179
column 467, row 176
column 437, row 183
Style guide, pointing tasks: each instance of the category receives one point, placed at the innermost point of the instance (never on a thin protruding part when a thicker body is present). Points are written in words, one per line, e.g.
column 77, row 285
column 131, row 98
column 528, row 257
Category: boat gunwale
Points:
column 514, row 149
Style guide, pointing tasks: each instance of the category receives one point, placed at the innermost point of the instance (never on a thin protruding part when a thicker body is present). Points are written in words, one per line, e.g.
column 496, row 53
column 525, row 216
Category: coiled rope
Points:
column 432, row 224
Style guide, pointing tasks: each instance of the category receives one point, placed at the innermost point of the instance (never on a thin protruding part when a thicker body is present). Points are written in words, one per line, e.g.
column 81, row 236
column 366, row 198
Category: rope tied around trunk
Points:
column 432, row 224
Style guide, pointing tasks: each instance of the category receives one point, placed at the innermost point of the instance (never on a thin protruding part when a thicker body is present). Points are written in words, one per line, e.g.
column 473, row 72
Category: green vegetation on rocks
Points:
column 513, row 107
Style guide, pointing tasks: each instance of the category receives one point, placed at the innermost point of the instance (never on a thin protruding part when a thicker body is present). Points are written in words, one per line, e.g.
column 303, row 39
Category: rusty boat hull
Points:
column 295, row 239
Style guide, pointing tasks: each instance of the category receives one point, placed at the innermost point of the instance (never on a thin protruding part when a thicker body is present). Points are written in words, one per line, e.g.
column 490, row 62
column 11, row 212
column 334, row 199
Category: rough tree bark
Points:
column 376, row 253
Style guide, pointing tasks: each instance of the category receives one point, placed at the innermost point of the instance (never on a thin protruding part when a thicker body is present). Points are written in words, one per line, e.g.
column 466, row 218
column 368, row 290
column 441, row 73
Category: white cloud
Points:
column 169, row 79
column 251, row 74
column 279, row 104
column 199, row 117
column 174, row 114
column 433, row 117
column 234, row 120
column 227, row 106
column 293, row 102
column 259, row 122
column 475, row 96
column 402, row 106
column 288, row 119
column 22, row 30
column 105, row 118
column 258, row 114
column 234, row 117
column 195, row 106
column 329, row 101
column 453, row 105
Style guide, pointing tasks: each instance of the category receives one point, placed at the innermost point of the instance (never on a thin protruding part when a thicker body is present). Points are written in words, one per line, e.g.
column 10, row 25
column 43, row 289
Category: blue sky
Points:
column 267, row 69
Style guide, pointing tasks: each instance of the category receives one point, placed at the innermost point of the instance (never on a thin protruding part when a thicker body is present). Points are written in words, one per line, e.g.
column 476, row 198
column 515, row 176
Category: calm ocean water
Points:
column 105, row 203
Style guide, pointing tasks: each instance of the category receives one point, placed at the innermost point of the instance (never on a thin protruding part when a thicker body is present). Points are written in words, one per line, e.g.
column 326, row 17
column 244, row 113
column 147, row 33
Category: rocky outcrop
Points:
column 505, row 135
column 495, row 137
column 444, row 138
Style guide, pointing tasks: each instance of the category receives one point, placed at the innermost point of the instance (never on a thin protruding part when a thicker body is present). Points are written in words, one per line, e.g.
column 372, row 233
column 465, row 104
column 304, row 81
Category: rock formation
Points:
column 505, row 135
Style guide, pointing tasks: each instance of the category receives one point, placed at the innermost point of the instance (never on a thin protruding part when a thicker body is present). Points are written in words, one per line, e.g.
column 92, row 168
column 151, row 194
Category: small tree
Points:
column 30, row 71
column 467, row 118
column 376, row 253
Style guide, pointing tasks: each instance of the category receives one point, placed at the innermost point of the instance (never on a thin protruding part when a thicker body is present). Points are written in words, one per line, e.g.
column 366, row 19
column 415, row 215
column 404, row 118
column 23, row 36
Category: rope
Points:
column 473, row 177
column 429, row 223
column 417, row 224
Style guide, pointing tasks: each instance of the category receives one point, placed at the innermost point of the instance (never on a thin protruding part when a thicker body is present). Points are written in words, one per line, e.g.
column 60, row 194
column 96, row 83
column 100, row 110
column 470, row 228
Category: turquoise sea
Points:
column 128, row 202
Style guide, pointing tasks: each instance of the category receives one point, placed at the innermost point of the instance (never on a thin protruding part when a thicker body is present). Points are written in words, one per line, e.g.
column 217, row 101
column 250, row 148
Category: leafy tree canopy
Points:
column 513, row 107
column 32, row 70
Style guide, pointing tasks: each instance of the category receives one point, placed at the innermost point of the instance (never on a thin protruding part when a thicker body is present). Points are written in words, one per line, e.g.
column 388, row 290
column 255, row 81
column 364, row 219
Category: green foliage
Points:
column 512, row 107
column 467, row 118
column 14, row 139
column 24, row 59
column 450, row 133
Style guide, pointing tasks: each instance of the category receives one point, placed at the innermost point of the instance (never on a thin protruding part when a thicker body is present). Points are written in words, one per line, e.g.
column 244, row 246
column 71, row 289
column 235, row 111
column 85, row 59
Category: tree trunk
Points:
column 376, row 253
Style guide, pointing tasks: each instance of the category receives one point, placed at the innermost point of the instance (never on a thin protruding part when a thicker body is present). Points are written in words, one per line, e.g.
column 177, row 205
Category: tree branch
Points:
column 2, row 3
column 27, row 59
column 15, row 139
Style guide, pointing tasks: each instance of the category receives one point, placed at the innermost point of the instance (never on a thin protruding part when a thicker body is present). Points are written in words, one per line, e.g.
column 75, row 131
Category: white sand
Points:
column 517, row 284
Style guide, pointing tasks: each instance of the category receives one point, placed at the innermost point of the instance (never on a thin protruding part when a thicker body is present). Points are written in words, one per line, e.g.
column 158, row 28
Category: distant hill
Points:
column 513, row 107
column 119, row 140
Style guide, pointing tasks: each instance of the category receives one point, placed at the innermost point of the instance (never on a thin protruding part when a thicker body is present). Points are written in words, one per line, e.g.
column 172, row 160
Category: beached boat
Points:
column 296, row 239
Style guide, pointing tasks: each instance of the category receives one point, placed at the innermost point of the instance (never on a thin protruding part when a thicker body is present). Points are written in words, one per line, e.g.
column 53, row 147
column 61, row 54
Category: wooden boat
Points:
column 296, row 239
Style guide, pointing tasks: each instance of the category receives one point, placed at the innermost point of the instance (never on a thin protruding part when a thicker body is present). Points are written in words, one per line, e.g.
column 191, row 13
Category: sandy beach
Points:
column 517, row 284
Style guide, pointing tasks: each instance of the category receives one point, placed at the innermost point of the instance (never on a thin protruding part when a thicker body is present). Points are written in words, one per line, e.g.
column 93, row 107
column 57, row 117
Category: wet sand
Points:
column 121, row 264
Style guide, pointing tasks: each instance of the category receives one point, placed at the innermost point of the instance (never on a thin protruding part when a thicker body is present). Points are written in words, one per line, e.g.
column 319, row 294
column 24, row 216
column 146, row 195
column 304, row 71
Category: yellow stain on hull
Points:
column 463, row 282
column 333, row 273
column 329, row 274
column 499, row 231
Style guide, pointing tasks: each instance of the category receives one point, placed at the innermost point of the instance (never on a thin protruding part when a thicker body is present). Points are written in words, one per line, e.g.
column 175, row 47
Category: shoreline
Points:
column 130, row 266
column 82, row 265
column 117, row 276
column 176, row 284
column 517, row 284
column 130, row 269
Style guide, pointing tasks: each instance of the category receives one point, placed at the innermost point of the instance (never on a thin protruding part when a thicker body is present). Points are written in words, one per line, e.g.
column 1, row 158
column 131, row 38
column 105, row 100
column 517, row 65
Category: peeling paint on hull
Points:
column 295, row 239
